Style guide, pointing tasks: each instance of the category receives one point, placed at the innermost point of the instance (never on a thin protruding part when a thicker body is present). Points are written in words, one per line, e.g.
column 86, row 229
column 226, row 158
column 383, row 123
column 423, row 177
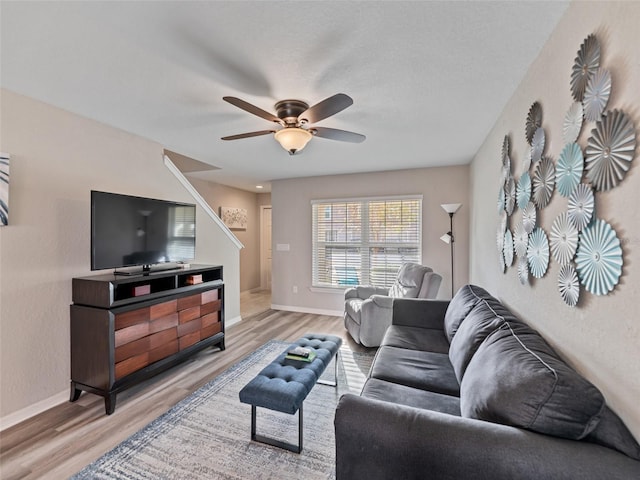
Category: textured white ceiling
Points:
column 428, row 79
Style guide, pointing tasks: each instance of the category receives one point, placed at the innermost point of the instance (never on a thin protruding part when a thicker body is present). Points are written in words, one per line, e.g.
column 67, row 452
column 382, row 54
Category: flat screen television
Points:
column 128, row 231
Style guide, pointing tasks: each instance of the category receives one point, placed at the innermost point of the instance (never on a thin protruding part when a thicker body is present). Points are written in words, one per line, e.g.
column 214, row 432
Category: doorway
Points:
column 265, row 247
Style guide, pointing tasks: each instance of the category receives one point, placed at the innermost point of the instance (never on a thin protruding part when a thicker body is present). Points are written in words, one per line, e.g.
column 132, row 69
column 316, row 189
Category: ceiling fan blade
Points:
column 340, row 135
column 248, row 135
column 247, row 107
column 326, row 108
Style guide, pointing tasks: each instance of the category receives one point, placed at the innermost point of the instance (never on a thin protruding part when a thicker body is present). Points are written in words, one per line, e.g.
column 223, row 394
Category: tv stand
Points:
column 125, row 329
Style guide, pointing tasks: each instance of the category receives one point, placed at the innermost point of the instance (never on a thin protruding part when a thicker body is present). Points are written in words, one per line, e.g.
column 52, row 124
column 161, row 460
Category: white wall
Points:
column 601, row 337
column 292, row 225
column 56, row 159
column 217, row 196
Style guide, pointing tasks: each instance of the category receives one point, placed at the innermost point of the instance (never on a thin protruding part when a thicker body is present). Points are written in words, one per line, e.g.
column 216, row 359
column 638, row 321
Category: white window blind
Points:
column 182, row 232
column 364, row 241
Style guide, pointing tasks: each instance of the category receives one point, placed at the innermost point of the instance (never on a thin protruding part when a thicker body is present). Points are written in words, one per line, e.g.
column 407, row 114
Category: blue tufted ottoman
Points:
column 284, row 384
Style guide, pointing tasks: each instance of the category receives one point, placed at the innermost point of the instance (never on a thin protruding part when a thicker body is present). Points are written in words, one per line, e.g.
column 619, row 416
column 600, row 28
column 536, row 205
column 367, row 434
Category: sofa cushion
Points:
column 423, row 370
column 612, row 433
column 460, row 306
column 416, row 338
column 412, row 397
column 515, row 378
column 481, row 321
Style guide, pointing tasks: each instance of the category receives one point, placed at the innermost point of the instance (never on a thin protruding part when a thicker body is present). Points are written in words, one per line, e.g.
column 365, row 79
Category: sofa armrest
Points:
column 364, row 291
column 419, row 312
column 382, row 301
column 382, row 440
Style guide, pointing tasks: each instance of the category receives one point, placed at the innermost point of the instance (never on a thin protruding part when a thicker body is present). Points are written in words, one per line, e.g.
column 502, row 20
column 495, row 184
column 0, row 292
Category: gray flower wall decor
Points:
column 520, row 240
column 596, row 95
column 572, row 123
column 610, row 150
column 544, row 181
column 587, row 250
column 569, row 285
column 580, row 206
column 585, row 65
column 534, row 121
column 563, row 239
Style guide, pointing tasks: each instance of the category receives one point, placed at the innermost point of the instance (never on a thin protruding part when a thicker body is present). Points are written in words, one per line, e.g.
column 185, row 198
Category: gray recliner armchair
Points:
column 368, row 309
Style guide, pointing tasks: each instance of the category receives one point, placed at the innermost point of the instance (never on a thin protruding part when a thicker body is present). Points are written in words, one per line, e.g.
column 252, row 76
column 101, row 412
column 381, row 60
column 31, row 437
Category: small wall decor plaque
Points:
column 4, row 189
column 234, row 218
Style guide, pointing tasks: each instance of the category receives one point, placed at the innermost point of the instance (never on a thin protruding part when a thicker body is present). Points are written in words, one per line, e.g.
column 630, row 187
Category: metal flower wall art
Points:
column 523, row 270
column 534, row 121
column 569, row 285
column 580, row 206
column 569, row 169
column 563, row 239
column 538, row 253
column 610, row 150
column 596, row 95
column 509, row 195
column 587, row 250
column 537, row 144
column 507, row 248
column 520, row 240
column 599, row 258
column 523, row 193
column 544, row 181
column 585, row 65
column 572, row 123
column 529, row 216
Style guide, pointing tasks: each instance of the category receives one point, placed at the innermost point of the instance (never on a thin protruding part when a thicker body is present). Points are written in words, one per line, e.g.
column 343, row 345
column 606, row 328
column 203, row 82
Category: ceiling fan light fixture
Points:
column 293, row 139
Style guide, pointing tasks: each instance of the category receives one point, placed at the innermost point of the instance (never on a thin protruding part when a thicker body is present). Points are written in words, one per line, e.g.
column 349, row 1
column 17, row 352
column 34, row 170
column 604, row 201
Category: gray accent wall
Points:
column 600, row 338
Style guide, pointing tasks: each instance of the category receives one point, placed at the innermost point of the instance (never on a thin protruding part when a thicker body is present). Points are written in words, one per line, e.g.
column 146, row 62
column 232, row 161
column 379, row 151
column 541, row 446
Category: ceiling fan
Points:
column 295, row 116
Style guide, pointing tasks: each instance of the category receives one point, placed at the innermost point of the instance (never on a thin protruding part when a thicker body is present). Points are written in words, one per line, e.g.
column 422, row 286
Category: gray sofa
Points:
column 464, row 389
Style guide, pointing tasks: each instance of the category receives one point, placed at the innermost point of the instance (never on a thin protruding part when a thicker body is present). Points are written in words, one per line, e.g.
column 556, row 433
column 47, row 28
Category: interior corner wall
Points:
column 56, row 159
column 291, row 201
column 600, row 337
column 217, row 196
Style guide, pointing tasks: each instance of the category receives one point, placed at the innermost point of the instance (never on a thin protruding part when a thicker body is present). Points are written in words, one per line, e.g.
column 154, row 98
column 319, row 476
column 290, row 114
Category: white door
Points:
column 265, row 247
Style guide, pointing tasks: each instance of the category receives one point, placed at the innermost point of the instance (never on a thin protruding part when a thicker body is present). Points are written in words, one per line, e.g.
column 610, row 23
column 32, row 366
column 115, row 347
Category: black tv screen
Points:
column 130, row 231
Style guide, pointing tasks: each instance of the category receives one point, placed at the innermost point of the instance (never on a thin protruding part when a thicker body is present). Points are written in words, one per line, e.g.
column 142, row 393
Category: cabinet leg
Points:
column 222, row 347
column 110, row 403
column 75, row 392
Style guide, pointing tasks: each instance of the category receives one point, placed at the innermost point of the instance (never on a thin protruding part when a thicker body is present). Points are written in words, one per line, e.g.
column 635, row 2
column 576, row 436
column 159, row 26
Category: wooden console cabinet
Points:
column 127, row 329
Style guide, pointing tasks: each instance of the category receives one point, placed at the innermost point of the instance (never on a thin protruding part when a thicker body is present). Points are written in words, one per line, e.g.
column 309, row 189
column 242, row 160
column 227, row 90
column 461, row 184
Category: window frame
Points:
column 364, row 244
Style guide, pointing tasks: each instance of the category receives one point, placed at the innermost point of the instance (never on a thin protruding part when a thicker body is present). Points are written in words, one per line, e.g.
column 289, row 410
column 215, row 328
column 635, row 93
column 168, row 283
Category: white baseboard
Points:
column 233, row 321
column 55, row 400
column 318, row 311
column 33, row 410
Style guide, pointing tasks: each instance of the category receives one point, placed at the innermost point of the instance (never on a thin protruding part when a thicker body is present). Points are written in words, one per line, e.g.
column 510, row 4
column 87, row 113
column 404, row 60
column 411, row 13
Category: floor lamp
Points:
column 450, row 208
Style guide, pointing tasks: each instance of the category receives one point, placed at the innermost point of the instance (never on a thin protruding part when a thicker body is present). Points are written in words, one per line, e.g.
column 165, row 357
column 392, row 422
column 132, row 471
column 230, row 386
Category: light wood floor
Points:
column 64, row 439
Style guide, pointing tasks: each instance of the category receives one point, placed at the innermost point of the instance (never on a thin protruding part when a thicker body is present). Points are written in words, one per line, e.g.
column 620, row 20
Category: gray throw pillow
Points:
column 460, row 306
column 515, row 378
column 477, row 326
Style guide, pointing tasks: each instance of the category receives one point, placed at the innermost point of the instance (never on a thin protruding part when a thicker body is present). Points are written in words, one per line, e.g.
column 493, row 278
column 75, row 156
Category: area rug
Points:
column 207, row 435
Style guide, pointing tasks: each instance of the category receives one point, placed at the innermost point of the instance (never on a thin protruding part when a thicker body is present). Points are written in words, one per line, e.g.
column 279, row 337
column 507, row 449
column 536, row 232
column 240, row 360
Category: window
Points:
column 182, row 233
column 364, row 241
